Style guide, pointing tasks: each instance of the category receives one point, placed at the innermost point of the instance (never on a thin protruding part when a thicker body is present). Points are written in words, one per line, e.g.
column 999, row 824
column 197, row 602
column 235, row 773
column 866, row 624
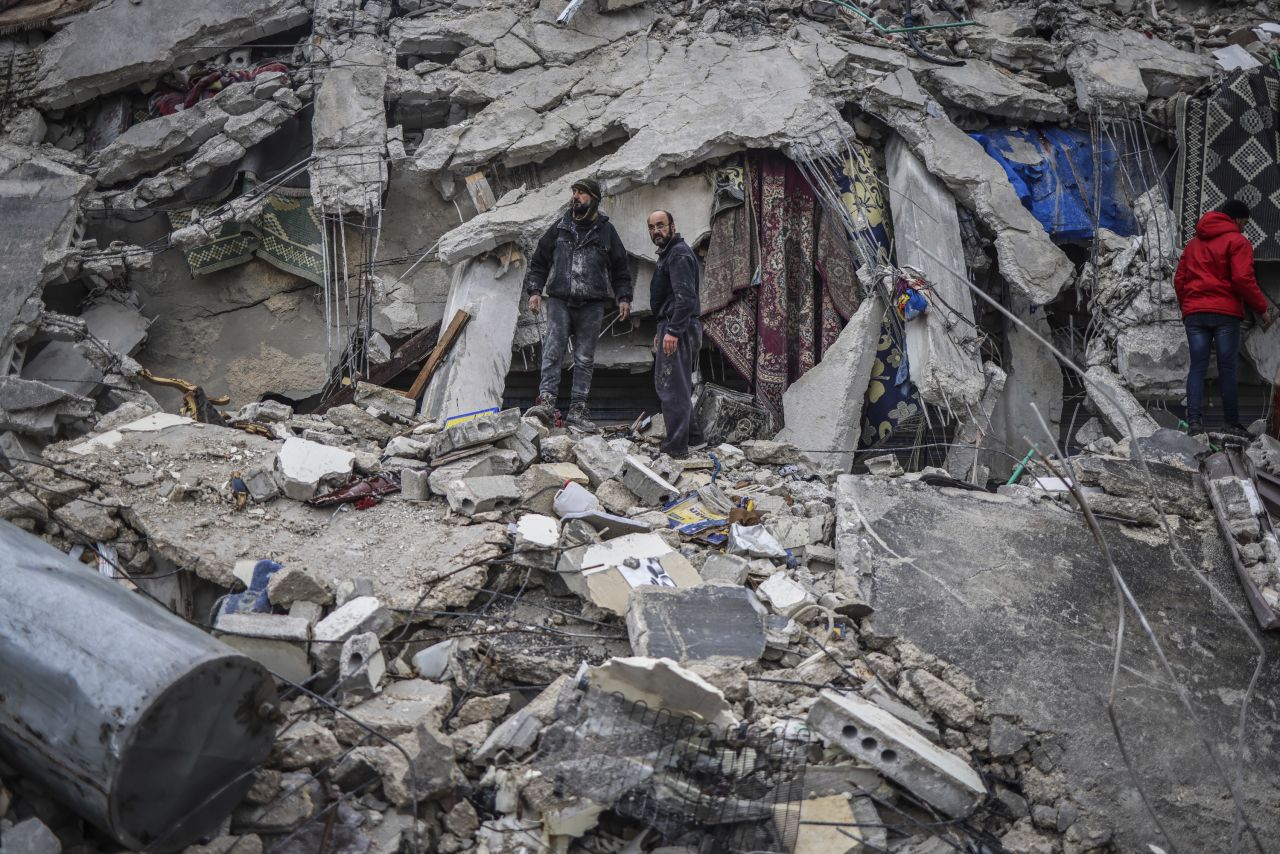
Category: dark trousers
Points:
column 1221, row 332
column 582, row 324
column 673, row 380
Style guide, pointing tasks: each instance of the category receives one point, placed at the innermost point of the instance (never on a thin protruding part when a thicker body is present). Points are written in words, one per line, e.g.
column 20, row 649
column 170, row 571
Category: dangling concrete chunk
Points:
column 867, row 732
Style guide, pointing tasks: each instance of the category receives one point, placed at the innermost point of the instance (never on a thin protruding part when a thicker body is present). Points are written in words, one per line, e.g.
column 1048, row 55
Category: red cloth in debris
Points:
column 207, row 86
column 1216, row 271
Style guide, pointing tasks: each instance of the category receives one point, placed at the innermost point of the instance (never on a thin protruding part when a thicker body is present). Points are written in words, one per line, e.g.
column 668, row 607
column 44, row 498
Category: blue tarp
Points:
column 1052, row 171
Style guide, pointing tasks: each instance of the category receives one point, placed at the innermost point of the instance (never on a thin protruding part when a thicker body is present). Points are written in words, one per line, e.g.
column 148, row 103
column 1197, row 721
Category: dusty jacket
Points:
column 580, row 266
column 673, row 292
column 1216, row 270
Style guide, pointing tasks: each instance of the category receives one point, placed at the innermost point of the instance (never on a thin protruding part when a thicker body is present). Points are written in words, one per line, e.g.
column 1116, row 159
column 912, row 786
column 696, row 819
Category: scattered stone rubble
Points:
column 425, row 710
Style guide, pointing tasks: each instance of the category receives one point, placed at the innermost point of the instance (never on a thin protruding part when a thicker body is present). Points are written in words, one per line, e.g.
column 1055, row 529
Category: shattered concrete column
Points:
column 349, row 131
column 942, row 344
column 1028, row 258
column 474, row 375
column 1034, row 377
column 823, row 409
column 962, row 459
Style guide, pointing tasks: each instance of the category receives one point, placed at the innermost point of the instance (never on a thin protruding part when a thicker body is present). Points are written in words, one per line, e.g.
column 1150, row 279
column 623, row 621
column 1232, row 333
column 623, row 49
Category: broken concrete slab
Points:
column 695, row 624
column 1124, row 68
column 362, row 615
column 941, row 346
column 1152, row 360
column 830, row 433
column 361, row 424
column 981, row 86
column 1033, row 376
column 1028, row 258
column 399, row 710
column 731, row 109
column 688, row 199
column 152, row 144
column 306, row 466
column 117, row 44
column 277, row 642
column 1118, row 408
column 662, row 684
column 864, row 730
column 474, row 375
column 1028, row 662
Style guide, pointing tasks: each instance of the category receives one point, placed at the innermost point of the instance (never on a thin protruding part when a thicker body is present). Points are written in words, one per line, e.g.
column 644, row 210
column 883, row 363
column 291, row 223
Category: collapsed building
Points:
column 948, row 576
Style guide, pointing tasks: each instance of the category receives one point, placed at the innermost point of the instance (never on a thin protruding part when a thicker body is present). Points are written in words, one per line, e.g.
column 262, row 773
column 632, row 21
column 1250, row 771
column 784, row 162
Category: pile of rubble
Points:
column 603, row 572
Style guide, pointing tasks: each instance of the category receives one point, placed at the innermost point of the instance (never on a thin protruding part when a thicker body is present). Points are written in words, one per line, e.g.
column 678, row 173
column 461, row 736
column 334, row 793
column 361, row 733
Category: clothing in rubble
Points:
column 582, row 266
column 1214, row 282
column 673, row 294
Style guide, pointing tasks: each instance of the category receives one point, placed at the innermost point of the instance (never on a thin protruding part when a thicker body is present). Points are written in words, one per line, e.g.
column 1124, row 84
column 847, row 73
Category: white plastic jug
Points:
column 574, row 498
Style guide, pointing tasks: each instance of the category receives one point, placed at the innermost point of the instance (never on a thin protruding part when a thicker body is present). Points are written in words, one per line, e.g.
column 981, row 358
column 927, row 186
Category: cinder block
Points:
column 482, row 494
column 647, row 485
column 867, row 732
column 478, row 431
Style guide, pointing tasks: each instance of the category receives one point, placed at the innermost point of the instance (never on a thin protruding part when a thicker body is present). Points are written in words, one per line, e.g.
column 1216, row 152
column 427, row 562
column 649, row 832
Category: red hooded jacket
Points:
column 1216, row 270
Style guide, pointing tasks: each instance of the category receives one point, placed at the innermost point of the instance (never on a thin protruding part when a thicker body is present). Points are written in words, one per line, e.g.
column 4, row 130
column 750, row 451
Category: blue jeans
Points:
column 582, row 324
column 1222, row 333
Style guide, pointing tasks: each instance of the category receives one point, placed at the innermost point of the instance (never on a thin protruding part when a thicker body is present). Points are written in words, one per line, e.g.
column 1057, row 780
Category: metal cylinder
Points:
column 143, row 724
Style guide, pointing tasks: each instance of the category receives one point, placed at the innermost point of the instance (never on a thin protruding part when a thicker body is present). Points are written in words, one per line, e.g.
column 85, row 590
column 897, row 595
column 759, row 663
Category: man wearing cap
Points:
column 581, row 264
column 1214, row 282
column 673, row 294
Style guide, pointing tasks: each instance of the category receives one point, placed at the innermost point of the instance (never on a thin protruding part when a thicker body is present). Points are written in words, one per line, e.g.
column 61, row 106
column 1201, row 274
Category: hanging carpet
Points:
column 1229, row 147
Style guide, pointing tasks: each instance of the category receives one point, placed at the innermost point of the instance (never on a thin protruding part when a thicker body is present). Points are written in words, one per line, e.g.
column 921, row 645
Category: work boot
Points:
column 544, row 409
column 1238, row 430
column 1195, row 429
column 577, row 417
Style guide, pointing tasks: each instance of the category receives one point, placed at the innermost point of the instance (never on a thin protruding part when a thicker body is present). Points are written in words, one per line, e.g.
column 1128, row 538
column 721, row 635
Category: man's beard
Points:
column 661, row 241
column 583, row 210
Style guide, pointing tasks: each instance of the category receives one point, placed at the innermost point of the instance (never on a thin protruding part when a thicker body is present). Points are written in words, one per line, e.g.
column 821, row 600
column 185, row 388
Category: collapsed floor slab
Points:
column 118, row 43
column 1019, row 596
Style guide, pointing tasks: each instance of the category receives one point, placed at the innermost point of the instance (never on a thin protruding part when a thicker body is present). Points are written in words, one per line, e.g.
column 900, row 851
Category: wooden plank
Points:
column 406, row 356
column 442, row 349
column 480, row 191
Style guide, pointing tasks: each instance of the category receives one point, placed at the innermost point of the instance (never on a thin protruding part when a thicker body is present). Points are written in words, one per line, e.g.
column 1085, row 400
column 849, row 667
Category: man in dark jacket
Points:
column 673, row 295
column 1214, row 283
column 581, row 264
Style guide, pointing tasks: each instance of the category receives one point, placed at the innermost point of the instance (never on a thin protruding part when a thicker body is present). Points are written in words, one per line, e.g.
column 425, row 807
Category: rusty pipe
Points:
column 140, row 722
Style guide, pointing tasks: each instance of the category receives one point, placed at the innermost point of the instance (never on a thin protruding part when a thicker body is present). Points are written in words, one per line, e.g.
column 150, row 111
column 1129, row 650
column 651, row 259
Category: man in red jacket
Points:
column 1214, row 283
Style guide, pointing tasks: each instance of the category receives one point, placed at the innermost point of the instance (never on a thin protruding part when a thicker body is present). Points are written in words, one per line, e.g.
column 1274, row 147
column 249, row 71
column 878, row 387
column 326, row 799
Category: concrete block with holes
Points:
column 482, row 494
column 867, row 732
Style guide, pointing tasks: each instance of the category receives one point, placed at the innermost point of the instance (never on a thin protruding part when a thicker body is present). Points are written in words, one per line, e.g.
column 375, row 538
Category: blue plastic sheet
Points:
column 1052, row 171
